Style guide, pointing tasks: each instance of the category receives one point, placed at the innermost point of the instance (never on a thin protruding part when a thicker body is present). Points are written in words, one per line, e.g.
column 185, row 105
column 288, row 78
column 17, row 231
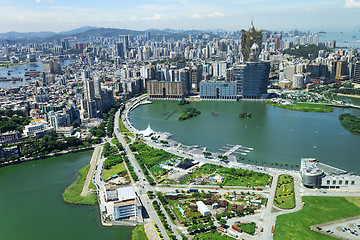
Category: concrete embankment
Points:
column 21, row 160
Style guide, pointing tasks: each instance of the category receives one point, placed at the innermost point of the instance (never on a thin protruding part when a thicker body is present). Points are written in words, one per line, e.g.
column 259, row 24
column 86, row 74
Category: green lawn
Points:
column 118, row 168
column 248, row 227
column 304, row 107
column 316, row 210
column 139, row 233
column 212, row 236
column 284, row 195
column 114, row 141
column 72, row 193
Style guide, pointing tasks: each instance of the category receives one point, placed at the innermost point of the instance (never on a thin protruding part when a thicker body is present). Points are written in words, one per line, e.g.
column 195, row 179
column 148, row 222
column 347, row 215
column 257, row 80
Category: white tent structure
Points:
column 148, row 132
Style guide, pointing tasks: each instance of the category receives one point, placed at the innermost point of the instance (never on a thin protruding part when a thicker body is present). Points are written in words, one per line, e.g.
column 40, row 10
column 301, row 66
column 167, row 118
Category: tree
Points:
column 75, row 124
column 222, row 222
column 207, row 154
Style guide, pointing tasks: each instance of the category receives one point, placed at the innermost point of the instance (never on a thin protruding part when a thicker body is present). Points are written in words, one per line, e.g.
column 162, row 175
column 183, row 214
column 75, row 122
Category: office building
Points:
column 124, row 40
column 357, row 73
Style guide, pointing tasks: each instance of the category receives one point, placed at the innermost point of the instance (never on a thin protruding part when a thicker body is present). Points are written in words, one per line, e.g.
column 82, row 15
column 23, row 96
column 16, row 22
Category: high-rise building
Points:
column 357, row 73
column 119, row 50
column 125, row 42
column 341, row 70
column 248, row 38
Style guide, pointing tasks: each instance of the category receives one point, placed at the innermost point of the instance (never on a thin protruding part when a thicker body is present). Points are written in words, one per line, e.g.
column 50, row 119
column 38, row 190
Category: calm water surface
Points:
column 276, row 134
column 32, row 206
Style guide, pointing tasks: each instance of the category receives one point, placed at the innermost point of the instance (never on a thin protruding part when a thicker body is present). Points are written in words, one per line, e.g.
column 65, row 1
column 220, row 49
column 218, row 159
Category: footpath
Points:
column 85, row 191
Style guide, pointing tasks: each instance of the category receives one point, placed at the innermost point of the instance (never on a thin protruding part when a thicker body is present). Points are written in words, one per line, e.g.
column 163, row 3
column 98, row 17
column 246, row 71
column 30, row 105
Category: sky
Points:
column 64, row 15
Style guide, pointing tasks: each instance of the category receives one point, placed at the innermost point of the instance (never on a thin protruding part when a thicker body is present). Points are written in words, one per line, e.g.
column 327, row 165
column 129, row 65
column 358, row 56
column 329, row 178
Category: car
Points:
column 139, row 170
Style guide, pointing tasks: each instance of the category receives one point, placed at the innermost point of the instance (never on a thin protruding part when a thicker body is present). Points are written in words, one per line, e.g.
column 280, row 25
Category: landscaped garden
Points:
column 284, row 195
column 226, row 176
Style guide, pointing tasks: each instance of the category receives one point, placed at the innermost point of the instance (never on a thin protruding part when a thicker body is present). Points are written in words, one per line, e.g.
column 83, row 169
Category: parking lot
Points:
column 345, row 229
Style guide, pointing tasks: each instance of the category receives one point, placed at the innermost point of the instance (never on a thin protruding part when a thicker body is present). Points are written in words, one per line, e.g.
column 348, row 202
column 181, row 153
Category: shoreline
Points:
column 18, row 161
column 348, row 95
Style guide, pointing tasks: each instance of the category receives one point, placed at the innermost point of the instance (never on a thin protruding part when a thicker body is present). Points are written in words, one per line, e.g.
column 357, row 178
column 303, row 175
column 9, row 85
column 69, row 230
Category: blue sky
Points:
column 62, row 15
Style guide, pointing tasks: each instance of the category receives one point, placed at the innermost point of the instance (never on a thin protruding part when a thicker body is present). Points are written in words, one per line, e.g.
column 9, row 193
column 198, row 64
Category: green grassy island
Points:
column 189, row 113
column 72, row 193
column 245, row 115
column 284, row 195
column 350, row 122
column 304, row 107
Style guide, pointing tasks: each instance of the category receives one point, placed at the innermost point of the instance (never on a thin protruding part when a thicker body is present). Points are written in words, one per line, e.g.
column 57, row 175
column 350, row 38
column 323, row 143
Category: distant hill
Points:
column 77, row 30
column 45, row 34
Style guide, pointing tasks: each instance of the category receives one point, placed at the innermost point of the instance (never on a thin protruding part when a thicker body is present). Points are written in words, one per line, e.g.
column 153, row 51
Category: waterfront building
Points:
column 255, row 80
column 162, row 89
column 127, row 205
column 319, row 175
column 213, row 90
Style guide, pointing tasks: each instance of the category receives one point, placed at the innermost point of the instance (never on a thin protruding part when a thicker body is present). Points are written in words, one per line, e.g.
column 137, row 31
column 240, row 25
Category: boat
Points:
column 213, row 114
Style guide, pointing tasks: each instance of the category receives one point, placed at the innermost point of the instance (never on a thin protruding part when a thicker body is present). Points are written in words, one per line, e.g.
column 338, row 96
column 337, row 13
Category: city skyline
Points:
column 53, row 15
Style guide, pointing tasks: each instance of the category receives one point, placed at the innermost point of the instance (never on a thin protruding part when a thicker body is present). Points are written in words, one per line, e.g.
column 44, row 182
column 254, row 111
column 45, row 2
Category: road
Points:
column 142, row 186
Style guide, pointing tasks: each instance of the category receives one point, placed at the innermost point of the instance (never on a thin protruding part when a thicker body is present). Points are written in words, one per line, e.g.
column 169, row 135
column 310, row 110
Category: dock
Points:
column 235, row 149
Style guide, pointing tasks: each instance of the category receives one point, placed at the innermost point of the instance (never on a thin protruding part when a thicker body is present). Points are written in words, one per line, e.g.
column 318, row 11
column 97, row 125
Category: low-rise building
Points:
column 67, row 131
column 9, row 137
column 127, row 205
column 202, row 208
column 319, row 175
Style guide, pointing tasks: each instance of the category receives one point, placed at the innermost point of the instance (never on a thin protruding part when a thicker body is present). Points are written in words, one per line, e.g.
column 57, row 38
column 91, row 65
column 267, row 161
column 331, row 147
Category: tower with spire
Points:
column 248, row 38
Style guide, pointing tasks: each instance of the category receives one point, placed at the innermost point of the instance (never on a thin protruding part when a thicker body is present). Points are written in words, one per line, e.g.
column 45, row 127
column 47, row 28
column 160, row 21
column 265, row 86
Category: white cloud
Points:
column 352, row 4
column 215, row 15
column 153, row 18
column 133, row 18
column 309, row 10
column 196, row 16
column 48, row 1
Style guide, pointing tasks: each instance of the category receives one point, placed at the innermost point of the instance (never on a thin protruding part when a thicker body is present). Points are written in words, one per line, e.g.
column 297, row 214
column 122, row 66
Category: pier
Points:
column 235, row 149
